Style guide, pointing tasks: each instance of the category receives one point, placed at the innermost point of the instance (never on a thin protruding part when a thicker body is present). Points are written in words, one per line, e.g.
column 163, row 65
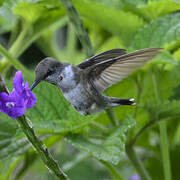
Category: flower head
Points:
column 21, row 97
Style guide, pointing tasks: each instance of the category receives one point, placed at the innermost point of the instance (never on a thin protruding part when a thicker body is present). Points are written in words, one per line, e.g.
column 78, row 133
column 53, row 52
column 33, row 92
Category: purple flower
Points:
column 134, row 177
column 23, row 90
column 21, row 97
column 12, row 104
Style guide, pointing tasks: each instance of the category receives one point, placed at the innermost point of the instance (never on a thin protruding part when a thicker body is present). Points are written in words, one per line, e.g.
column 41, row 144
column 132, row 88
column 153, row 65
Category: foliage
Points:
column 110, row 24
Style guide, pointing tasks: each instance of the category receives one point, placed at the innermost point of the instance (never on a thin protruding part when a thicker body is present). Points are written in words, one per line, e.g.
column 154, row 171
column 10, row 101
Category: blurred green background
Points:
column 92, row 147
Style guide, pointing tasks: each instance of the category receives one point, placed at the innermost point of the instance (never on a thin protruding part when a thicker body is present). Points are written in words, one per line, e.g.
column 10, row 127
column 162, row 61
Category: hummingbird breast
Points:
column 81, row 100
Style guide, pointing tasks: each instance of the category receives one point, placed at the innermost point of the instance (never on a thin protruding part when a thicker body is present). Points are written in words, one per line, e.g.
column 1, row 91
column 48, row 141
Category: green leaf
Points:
column 111, row 43
column 121, row 4
column 7, row 167
column 29, row 11
column 33, row 24
column 53, row 113
column 9, row 145
column 50, row 19
column 166, row 109
column 32, row 11
column 176, row 54
column 7, row 130
column 120, row 23
column 109, row 150
column 155, row 9
column 158, row 33
column 7, row 20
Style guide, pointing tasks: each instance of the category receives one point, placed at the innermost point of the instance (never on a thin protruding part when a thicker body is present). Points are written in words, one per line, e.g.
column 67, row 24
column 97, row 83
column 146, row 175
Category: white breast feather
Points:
column 69, row 76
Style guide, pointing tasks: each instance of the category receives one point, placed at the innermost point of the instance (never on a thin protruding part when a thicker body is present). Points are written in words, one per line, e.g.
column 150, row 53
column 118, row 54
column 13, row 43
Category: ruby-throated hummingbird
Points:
column 82, row 85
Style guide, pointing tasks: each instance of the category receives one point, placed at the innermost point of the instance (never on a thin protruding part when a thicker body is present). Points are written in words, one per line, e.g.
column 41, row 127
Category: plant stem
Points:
column 19, row 46
column 129, row 146
column 40, row 30
column 71, row 39
column 112, row 117
column 100, row 127
column 48, row 160
column 144, row 128
column 112, row 170
column 163, row 137
column 28, row 160
column 79, row 28
column 12, row 167
column 14, row 49
column 80, row 157
column 137, row 163
column 165, row 150
column 13, row 61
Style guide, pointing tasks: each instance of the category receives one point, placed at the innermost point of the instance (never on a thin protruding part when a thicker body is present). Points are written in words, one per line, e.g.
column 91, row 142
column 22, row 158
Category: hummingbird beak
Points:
column 34, row 84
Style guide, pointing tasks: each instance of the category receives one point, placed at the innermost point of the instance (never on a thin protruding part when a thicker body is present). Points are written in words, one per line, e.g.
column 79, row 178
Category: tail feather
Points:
column 118, row 101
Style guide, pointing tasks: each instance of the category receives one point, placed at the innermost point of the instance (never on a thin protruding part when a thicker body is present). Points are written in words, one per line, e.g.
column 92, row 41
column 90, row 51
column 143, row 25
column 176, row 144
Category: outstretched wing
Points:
column 101, row 57
column 111, row 70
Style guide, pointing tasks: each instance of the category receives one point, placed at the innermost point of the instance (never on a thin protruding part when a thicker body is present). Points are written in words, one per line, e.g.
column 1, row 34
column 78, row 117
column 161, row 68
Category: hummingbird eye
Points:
column 61, row 77
column 49, row 72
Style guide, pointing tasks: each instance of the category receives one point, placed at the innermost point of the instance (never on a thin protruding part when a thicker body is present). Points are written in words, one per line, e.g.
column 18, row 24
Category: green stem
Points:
column 79, row 157
column 47, row 41
column 15, row 32
column 112, row 117
column 71, row 39
column 114, row 173
column 137, row 163
column 79, row 28
column 12, row 168
column 163, row 137
column 28, row 160
column 144, row 128
column 100, row 127
column 129, row 146
column 137, row 81
column 19, row 46
column 13, row 61
column 39, row 31
column 14, row 49
column 48, row 160
column 165, row 150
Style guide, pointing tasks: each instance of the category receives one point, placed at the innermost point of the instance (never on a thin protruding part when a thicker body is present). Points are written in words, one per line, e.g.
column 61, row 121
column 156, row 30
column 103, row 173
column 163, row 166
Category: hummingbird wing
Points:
column 107, row 72
column 113, row 53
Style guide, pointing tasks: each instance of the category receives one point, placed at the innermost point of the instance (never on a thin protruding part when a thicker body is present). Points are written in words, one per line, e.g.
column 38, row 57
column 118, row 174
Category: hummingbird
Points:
column 82, row 85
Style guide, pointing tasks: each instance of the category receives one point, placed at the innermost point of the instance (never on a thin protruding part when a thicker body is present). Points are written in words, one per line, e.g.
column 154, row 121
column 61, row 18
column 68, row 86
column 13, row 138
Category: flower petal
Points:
column 18, row 82
column 3, row 98
column 13, row 98
column 31, row 100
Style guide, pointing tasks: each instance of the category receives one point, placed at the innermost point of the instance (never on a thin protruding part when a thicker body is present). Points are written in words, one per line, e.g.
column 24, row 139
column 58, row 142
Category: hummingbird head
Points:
column 48, row 70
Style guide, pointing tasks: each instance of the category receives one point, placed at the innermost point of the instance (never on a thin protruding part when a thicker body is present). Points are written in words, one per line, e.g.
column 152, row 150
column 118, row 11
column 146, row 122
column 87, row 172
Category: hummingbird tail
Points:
column 118, row 101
